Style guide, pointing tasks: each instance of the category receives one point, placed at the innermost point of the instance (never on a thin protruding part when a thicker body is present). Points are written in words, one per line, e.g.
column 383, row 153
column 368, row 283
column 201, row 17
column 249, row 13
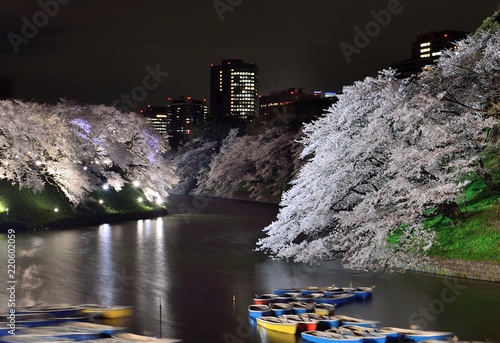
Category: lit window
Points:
column 425, row 44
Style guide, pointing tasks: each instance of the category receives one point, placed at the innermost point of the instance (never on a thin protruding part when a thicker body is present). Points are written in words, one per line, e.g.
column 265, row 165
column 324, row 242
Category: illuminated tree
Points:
column 387, row 151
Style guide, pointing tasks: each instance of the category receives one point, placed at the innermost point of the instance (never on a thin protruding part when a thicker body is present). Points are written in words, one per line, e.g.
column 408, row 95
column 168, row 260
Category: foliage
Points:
column 80, row 148
column 386, row 152
column 491, row 23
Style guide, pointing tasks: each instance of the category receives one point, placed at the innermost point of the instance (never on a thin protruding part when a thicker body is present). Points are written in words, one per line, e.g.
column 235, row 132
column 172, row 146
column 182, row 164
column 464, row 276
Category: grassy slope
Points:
column 476, row 236
column 32, row 209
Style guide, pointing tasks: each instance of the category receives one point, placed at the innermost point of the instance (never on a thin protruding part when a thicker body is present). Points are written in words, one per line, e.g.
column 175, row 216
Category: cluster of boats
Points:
column 311, row 311
column 69, row 323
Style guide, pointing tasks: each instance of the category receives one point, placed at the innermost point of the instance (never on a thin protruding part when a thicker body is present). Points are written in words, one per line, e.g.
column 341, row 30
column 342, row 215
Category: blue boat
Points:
column 299, row 307
column 282, row 291
column 50, row 311
column 279, row 309
column 329, row 337
column 285, row 298
column 420, row 335
column 364, row 293
column 351, row 321
column 307, row 298
column 255, row 311
column 324, row 321
column 336, row 299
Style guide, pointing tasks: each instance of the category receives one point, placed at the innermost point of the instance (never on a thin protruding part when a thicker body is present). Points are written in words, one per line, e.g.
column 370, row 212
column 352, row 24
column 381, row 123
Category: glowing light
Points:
column 140, row 199
column 56, row 210
column 159, row 201
column 38, row 163
column 136, row 183
column 101, row 201
column 105, row 186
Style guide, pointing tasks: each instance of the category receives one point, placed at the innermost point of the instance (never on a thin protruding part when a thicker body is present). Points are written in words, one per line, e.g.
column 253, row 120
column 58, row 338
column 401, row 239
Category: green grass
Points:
column 475, row 236
column 37, row 209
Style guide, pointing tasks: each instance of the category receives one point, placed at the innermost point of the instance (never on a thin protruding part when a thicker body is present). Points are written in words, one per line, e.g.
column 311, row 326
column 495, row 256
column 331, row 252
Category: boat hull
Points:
column 275, row 324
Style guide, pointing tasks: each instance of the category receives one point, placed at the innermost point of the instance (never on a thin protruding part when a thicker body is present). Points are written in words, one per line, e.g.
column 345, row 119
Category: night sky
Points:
column 95, row 50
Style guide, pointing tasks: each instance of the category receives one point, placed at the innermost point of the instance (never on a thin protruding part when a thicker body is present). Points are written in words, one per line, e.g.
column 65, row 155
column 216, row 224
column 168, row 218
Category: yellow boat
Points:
column 277, row 324
column 108, row 312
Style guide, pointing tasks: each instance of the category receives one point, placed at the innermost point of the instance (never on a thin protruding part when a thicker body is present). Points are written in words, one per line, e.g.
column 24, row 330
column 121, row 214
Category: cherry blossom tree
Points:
column 255, row 166
column 386, row 152
column 78, row 148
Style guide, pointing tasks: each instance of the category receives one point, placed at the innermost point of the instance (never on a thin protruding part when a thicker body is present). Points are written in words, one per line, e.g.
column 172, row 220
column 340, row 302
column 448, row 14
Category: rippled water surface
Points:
column 193, row 273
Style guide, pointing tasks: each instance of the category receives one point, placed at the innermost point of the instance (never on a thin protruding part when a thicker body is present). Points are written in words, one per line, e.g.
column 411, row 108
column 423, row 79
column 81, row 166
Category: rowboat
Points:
column 304, row 322
column 46, row 321
column 299, row 307
column 264, row 299
column 279, row 324
column 256, row 311
column 351, row 321
column 324, row 309
column 310, row 290
column 324, row 321
column 282, row 291
column 285, row 298
column 363, row 292
column 112, row 312
column 279, row 309
column 421, row 335
column 130, row 337
column 60, row 332
column 329, row 337
column 61, row 310
column 367, row 335
column 94, row 327
column 336, row 299
column 307, row 298
column 33, row 339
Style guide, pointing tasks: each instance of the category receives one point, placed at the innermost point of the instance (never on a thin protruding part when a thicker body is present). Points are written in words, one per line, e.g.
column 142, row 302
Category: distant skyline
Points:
column 99, row 51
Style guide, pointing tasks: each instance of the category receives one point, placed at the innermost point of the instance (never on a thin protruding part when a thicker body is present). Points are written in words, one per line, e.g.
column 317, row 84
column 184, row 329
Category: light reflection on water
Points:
column 201, row 270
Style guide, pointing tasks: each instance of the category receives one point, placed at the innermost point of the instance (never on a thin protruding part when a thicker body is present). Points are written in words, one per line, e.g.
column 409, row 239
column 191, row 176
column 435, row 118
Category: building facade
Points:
column 176, row 120
column 426, row 49
column 269, row 103
column 234, row 90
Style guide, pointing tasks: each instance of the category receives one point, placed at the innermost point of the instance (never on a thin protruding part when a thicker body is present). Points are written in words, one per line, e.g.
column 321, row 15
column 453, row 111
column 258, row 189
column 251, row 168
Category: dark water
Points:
column 196, row 269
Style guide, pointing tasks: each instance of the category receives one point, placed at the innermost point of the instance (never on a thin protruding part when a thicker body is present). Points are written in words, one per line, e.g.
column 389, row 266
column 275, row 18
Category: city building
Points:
column 426, row 49
column 186, row 113
column 160, row 118
column 269, row 103
column 234, row 90
column 176, row 120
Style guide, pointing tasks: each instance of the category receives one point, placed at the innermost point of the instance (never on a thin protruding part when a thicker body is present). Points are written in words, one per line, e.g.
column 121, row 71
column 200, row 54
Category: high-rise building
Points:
column 187, row 113
column 234, row 90
column 269, row 103
column 177, row 119
column 426, row 49
column 160, row 118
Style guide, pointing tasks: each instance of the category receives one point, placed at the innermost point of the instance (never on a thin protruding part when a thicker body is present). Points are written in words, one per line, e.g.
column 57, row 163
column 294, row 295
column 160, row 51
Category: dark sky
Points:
column 95, row 50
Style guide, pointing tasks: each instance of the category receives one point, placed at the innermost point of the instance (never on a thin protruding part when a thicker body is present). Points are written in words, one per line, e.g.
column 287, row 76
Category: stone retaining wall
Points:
column 459, row 268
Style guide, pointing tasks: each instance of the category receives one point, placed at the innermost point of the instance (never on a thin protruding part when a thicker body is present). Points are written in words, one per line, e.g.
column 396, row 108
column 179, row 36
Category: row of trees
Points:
column 78, row 148
column 388, row 151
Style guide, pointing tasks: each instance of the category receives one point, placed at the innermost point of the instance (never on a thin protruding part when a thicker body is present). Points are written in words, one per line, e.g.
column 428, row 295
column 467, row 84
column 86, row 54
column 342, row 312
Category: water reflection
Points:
column 203, row 274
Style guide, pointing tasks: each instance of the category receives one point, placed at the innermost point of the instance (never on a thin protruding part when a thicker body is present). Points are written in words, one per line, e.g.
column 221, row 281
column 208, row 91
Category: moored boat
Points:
column 351, row 321
column 279, row 324
column 299, row 307
column 264, row 299
column 324, row 321
column 115, row 311
column 256, row 311
column 61, row 310
column 282, row 291
column 324, row 309
column 329, row 337
column 420, row 335
column 336, row 299
column 304, row 322
column 363, row 292
column 130, row 337
column 279, row 309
